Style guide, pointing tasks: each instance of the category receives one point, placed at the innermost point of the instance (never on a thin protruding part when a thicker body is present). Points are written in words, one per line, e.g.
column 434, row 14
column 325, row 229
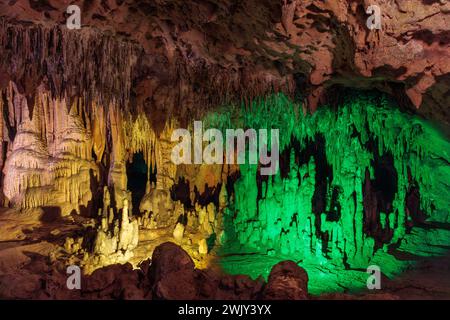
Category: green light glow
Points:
column 313, row 211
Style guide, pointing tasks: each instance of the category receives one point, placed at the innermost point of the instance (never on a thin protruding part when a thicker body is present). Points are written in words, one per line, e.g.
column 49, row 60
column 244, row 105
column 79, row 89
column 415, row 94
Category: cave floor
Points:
column 428, row 279
column 27, row 238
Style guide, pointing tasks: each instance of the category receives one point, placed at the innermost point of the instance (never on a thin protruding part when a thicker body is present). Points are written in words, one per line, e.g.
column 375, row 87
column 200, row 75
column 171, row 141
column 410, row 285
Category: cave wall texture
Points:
column 79, row 105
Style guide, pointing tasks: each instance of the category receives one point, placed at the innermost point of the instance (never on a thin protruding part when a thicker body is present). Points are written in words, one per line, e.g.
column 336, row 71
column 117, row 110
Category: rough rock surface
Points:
column 173, row 276
column 163, row 53
column 78, row 104
column 287, row 281
column 172, row 273
column 169, row 275
column 171, row 269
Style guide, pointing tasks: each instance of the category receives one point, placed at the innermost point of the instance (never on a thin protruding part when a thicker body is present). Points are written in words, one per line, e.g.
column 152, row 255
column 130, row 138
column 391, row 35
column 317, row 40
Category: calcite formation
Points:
column 48, row 162
column 88, row 118
column 230, row 49
column 343, row 193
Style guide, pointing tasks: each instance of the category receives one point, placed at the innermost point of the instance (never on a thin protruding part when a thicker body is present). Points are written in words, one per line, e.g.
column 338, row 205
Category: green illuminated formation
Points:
column 354, row 183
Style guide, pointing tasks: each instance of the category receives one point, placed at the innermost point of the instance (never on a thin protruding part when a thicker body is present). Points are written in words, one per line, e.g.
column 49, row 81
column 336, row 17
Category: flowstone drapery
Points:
column 344, row 194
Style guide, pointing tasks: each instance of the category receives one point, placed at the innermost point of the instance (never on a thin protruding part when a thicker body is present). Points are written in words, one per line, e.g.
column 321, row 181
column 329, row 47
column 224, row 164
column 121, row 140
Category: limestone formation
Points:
column 202, row 247
column 178, row 232
column 287, row 281
column 87, row 126
column 129, row 231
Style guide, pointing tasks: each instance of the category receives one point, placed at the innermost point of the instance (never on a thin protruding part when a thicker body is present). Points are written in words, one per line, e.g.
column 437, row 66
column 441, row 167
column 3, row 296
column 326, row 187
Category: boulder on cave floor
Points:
column 172, row 276
column 287, row 281
column 171, row 273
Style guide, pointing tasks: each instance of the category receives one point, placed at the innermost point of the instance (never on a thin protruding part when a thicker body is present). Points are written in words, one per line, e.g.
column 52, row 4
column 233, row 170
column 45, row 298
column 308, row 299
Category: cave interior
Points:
column 363, row 146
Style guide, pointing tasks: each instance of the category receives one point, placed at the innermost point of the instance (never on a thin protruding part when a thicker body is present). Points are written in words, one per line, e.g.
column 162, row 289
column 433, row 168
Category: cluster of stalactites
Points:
column 281, row 218
column 87, row 63
column 141, row 138
column 53, row 149
column 48, row 151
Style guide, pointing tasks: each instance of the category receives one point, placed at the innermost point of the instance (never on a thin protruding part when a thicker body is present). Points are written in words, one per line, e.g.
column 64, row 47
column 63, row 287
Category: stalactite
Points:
column 282, row 219
column 50, row 154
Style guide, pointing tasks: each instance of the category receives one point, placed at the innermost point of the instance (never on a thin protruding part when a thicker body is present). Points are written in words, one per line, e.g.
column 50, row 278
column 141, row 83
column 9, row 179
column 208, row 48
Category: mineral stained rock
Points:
column 229, row 49
column 88, row 117
column 287, row 281
column 172, row 273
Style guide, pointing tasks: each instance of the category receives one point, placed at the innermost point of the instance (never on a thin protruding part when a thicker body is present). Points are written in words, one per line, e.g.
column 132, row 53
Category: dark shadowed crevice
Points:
column 137, row 173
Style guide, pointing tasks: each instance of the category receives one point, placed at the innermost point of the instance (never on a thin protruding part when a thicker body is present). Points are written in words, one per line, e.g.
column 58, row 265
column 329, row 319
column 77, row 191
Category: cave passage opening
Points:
column 137, row 174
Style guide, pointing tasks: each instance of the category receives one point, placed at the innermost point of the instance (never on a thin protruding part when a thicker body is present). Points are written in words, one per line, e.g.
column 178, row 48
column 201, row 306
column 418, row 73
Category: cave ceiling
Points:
column 208, row 52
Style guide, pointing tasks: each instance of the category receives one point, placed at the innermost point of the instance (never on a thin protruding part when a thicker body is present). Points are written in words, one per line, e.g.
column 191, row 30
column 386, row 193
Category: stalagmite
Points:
column 278, row 215
column 202, row 247
column 129, row 231
column 88, row 120
column 178, row 232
